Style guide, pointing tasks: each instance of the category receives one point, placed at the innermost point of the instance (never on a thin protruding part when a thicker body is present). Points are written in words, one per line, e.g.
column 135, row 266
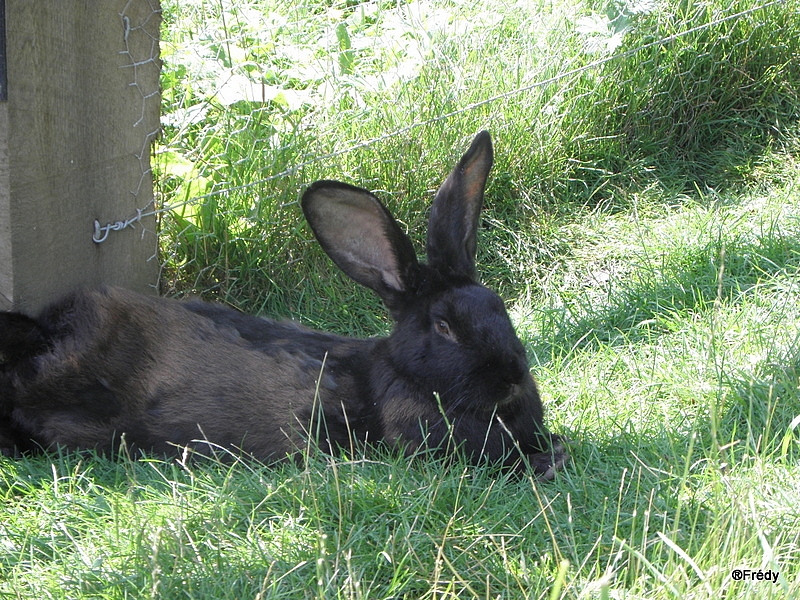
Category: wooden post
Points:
column 79, row 109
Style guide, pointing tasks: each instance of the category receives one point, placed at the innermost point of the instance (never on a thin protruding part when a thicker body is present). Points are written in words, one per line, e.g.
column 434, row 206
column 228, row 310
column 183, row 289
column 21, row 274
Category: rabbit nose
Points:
column 517, row 370
column 511, row 371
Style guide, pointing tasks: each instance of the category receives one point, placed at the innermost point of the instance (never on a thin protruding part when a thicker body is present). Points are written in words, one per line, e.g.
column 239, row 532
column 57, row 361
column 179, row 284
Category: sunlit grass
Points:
column 642, row 222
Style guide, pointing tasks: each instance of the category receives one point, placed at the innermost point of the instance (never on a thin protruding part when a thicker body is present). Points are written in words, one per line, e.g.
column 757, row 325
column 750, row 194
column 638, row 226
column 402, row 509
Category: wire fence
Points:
column 261, row 100
column 139, row 50
column 80, row 116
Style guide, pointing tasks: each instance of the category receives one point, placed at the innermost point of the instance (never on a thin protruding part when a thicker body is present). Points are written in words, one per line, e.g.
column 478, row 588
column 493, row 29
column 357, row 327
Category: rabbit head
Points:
column 452, row 336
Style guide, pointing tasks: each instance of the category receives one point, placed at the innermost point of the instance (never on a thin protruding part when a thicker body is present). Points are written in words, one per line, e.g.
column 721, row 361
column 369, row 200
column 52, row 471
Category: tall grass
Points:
column 642, row 220
column 261, row 99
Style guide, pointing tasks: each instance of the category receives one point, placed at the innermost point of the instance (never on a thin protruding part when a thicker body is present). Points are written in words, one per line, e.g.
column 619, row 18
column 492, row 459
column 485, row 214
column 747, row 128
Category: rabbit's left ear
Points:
column 361, row 237
column 453, row 225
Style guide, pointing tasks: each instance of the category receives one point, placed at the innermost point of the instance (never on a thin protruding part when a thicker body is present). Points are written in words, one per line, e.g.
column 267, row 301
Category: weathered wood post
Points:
column 79, row 109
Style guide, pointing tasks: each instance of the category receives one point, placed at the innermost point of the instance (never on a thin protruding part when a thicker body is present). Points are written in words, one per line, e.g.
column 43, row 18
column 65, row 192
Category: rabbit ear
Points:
column 361, row 237
column 455, row 214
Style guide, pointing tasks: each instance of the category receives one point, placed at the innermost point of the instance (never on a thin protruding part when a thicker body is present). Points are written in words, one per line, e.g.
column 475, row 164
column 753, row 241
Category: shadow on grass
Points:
column 243, row 530
column 658, row 297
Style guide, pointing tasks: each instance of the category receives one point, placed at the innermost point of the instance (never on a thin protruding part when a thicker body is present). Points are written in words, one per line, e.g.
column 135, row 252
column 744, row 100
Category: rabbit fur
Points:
column 105, row 365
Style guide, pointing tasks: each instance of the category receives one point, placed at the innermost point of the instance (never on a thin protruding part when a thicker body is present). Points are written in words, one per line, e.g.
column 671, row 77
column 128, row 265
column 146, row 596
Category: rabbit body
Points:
column 106, row 364
column 152, row 369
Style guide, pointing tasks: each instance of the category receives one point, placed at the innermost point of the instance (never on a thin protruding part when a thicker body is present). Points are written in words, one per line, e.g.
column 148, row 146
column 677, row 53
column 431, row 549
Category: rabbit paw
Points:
column 545, row 464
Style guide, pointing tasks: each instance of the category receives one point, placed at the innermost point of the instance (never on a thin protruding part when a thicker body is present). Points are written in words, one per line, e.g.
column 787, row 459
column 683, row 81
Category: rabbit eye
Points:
column 442, row 328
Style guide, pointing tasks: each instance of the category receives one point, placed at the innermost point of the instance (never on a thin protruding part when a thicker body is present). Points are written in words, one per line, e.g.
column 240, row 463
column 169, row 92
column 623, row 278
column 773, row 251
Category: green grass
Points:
column 683, row 415
column 261, row 98
column 643, row 223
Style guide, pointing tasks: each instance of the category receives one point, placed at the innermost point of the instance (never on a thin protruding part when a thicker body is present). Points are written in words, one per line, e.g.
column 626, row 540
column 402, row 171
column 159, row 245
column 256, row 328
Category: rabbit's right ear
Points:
column 361, row 237
column 455, row 214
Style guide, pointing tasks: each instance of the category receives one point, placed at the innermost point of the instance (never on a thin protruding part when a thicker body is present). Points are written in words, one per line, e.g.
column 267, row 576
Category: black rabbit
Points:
column 100, row 366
